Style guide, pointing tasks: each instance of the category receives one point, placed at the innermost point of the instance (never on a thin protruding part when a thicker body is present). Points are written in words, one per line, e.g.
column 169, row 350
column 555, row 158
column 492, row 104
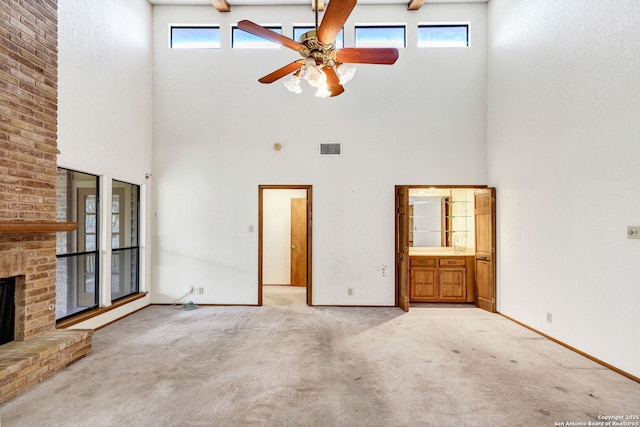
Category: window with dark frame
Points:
column 443, row 35
column 380, row 36
column 77, row 260
column 195, row 37
column 240, row 39
column 125, row 249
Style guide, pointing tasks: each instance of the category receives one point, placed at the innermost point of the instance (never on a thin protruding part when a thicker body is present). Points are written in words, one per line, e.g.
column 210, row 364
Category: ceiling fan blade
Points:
column 265, row 33
column 333, row 82
column 334, row 18
column 367, row 55
column 281, row 72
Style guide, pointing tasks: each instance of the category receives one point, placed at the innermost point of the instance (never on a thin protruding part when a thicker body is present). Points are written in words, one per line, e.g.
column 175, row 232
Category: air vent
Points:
column 331, row 148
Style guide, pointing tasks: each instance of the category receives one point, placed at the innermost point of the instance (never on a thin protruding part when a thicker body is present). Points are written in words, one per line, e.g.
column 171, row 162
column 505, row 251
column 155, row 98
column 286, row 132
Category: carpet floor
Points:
column 287, row 364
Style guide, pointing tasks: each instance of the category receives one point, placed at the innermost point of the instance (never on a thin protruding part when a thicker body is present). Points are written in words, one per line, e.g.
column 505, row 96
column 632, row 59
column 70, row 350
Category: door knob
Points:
column 293, row 246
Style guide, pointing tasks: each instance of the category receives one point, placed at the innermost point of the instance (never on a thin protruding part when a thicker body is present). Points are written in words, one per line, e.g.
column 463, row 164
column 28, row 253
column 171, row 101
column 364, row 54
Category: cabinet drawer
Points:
column 423, row 262
column 445, row 262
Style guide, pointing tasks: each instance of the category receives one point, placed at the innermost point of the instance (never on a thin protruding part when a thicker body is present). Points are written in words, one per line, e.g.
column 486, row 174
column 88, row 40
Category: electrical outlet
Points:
column 350, row 291
column 549, row 319
column 633, row 232
column 201, row 291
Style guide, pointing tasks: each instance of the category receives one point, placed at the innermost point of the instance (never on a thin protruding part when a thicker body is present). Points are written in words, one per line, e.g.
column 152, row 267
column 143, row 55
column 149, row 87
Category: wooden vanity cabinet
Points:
column 423, row 285
column 441, row 279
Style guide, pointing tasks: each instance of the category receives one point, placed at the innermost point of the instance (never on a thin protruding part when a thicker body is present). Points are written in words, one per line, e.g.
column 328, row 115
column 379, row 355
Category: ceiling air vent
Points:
column 331, row 148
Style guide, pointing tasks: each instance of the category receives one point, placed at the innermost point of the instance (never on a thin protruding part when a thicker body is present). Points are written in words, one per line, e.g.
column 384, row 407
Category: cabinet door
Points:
column 423, row 284
column 453, row 284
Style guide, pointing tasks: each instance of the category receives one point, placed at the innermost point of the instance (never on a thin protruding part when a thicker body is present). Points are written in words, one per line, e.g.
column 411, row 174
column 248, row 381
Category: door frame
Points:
column 309, row 189
column 401, row 287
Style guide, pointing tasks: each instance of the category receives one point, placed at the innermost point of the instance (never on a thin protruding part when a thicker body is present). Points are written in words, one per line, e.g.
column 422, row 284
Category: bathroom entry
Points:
column 284, row 237
column 445, row 245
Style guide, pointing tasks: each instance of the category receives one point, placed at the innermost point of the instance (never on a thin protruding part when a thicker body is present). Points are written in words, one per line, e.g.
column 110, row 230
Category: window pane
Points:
column 90, row 204
column 243, row 40
column 299, row 31
column 124, row 223
column 115, row 223
column 76, row 278
column 90, row 242
column 124, row 240
column 443, row 36
column 124, row 273
column 195, row 37
column 76, row 201
column 90, row 223
column 380, row 36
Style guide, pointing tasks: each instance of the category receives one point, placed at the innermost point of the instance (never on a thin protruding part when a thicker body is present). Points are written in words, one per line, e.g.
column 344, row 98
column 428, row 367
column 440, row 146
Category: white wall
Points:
column 276, row 234
column 563, row 151
column 104, row 110
column 420, row 121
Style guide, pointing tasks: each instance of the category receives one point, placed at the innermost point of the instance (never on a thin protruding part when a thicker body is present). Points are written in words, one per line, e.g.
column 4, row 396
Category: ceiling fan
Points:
column 323, row 66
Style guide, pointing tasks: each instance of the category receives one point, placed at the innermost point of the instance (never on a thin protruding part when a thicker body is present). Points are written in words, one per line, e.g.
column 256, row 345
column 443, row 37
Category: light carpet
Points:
column 294, row 365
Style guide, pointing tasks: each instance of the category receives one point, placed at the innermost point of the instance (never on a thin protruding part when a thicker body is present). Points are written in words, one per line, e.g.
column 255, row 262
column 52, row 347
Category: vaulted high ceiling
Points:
column 225, row 5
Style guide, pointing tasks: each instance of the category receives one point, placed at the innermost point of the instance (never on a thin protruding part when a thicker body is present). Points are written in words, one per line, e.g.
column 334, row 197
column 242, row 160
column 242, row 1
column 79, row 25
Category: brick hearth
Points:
column 28, row 162
column 26, row 363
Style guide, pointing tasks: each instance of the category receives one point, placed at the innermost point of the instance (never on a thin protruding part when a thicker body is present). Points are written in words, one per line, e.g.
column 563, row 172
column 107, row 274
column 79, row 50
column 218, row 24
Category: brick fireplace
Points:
column 28, row 162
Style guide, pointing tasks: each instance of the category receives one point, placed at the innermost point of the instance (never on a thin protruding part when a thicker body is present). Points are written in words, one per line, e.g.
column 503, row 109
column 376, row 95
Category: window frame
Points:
column 134, row 235
column 194, row 27
column 267, row 44
column 421, row 25
column 357, row 27
column 77, row 257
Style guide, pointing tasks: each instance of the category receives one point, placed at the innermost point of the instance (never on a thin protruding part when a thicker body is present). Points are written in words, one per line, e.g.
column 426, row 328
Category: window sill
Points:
column 63, row 324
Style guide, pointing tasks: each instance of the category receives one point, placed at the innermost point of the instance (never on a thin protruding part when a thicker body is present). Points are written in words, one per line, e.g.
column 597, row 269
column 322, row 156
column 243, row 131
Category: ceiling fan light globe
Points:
column 293, row 84
column 314, row 75
column 345, row 72
column 323, row 91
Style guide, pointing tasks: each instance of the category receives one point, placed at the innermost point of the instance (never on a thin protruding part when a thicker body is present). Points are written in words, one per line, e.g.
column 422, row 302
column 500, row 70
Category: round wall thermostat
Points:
column 277, row 146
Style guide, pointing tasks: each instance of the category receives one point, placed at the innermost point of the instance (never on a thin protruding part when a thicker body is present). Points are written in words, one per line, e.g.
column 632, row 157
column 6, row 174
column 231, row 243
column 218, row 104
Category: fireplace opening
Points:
column 7, row 310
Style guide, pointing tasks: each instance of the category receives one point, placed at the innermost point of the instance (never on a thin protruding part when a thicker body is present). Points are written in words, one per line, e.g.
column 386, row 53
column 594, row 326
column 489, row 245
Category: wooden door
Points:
column 402, row 247
column 485, row 261
column 298, row 242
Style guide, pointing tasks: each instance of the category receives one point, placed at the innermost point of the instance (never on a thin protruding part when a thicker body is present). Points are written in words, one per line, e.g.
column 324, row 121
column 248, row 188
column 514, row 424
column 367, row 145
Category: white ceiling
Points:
column 293, row 2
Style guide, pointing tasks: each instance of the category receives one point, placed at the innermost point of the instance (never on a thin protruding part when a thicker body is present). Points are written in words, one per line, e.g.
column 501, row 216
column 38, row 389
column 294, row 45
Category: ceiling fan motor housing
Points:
column 314, row 48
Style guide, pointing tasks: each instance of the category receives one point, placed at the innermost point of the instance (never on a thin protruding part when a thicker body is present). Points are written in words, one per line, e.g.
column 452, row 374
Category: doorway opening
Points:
column 284, row 244
column 445, row 245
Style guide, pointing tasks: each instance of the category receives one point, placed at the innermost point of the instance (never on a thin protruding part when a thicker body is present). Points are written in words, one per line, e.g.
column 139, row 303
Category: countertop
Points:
column 448, row 253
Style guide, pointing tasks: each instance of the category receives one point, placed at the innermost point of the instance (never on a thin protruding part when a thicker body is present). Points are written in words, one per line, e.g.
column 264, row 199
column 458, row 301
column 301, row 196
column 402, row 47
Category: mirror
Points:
column 429, row 221
column 441, row 220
